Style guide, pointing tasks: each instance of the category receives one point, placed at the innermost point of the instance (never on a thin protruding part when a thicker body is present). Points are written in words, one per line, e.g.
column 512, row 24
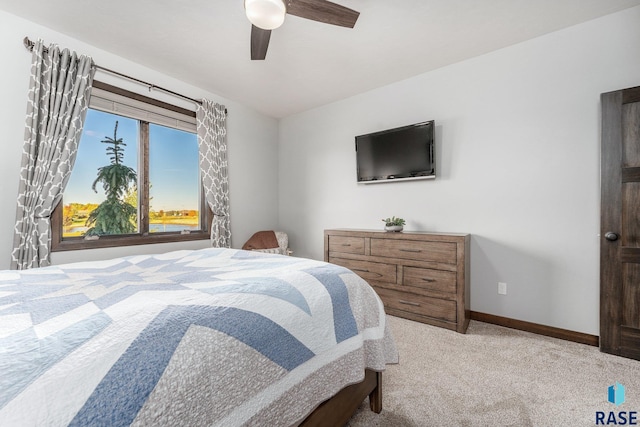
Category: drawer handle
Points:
column 428, row 280
column 346, row 244
column 411, row 250
column 409, row 303
column 366, row 271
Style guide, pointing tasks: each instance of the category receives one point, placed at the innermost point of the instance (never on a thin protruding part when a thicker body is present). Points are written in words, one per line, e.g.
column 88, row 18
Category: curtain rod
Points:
column 29, row 45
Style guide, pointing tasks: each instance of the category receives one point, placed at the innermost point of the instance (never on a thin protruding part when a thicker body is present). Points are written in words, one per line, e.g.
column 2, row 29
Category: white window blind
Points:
column 117, row 104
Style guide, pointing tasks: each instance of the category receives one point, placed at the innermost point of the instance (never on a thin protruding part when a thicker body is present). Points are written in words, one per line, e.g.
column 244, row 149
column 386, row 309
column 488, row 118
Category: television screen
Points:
column 396, row 154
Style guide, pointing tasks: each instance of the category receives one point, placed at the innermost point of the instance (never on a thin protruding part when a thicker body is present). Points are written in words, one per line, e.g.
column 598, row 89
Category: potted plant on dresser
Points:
column 394, row 224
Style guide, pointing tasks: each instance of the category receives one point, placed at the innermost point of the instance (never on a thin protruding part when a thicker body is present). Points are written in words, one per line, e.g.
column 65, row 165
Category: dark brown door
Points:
column 620, row 224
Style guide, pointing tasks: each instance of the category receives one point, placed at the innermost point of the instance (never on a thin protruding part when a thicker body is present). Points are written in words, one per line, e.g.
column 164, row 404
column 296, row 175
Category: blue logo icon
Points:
column 616, row 394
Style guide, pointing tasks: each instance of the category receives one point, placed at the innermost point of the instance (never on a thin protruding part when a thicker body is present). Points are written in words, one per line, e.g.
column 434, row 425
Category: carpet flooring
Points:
column 496, row 376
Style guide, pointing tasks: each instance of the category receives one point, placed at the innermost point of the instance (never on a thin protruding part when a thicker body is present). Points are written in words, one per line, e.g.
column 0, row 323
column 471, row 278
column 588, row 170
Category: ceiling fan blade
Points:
column 259, row 42
column 323, row 11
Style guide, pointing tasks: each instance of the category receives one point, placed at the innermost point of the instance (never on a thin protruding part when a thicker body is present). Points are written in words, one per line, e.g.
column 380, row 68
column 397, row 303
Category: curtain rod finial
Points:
column 27, row 43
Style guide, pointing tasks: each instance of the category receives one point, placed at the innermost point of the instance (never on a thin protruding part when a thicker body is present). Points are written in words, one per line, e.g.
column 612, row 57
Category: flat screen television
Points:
column 397, row 154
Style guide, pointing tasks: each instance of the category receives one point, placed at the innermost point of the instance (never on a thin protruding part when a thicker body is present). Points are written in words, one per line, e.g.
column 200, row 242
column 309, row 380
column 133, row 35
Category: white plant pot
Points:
column 393, row 228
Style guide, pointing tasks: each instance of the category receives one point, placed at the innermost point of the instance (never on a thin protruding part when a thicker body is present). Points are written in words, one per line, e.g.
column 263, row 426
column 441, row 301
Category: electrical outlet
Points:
column 502, row 288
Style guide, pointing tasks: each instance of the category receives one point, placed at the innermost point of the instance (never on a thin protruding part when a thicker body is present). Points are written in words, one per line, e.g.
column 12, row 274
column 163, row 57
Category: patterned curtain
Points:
column 212, row 131
column 58, row 98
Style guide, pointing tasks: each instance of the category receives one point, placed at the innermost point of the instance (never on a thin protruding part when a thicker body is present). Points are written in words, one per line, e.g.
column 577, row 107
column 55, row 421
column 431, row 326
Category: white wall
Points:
column 518, row 166
column 251, row 137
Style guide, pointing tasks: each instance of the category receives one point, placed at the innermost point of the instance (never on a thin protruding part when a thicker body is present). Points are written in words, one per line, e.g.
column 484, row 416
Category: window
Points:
column 136, row 178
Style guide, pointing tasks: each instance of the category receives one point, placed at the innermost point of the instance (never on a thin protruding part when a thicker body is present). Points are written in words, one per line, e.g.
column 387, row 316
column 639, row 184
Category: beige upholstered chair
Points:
column 283, row 245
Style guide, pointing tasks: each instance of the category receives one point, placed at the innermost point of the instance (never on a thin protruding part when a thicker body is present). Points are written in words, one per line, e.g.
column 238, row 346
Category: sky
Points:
column 173, row 162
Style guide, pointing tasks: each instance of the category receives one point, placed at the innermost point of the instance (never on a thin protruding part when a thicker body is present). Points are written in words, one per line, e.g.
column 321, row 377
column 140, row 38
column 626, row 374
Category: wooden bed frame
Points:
column 337, row 410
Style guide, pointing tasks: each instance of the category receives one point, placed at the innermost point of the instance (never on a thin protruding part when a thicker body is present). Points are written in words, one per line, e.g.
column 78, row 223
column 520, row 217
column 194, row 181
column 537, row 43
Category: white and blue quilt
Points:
column 207, row 337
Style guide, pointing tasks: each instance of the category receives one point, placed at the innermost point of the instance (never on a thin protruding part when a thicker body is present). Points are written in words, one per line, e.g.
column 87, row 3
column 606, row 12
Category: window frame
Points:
column 58, row 243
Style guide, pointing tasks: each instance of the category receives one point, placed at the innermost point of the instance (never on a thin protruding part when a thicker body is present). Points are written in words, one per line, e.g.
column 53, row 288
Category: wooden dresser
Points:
column 419, row 276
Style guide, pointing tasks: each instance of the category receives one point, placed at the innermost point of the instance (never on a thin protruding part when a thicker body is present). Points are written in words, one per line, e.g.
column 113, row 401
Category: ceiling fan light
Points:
column 265, row 14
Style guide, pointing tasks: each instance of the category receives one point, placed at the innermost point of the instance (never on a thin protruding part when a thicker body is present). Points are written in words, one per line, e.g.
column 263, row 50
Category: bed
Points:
column 206, row 337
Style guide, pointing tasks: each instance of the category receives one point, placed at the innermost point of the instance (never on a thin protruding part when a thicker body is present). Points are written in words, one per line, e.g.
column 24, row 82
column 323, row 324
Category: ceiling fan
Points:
column 267, row 15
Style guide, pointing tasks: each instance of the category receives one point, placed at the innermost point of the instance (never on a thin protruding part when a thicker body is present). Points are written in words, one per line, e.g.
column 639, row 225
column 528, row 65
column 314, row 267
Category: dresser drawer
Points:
column 416, row 250
column 431, row 280
column 426, row 306
column 346, row 244
column 368, row 270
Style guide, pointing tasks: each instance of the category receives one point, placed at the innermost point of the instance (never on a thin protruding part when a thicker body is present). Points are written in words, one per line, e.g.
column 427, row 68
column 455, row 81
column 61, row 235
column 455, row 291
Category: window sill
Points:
column 79, row 243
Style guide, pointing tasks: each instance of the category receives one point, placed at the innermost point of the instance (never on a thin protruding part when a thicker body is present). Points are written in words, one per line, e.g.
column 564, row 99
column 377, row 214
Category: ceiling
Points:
column 308, row 64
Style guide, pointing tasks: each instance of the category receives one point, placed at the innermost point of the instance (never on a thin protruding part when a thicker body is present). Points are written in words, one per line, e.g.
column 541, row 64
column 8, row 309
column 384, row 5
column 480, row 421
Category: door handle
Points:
column 611, row 236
